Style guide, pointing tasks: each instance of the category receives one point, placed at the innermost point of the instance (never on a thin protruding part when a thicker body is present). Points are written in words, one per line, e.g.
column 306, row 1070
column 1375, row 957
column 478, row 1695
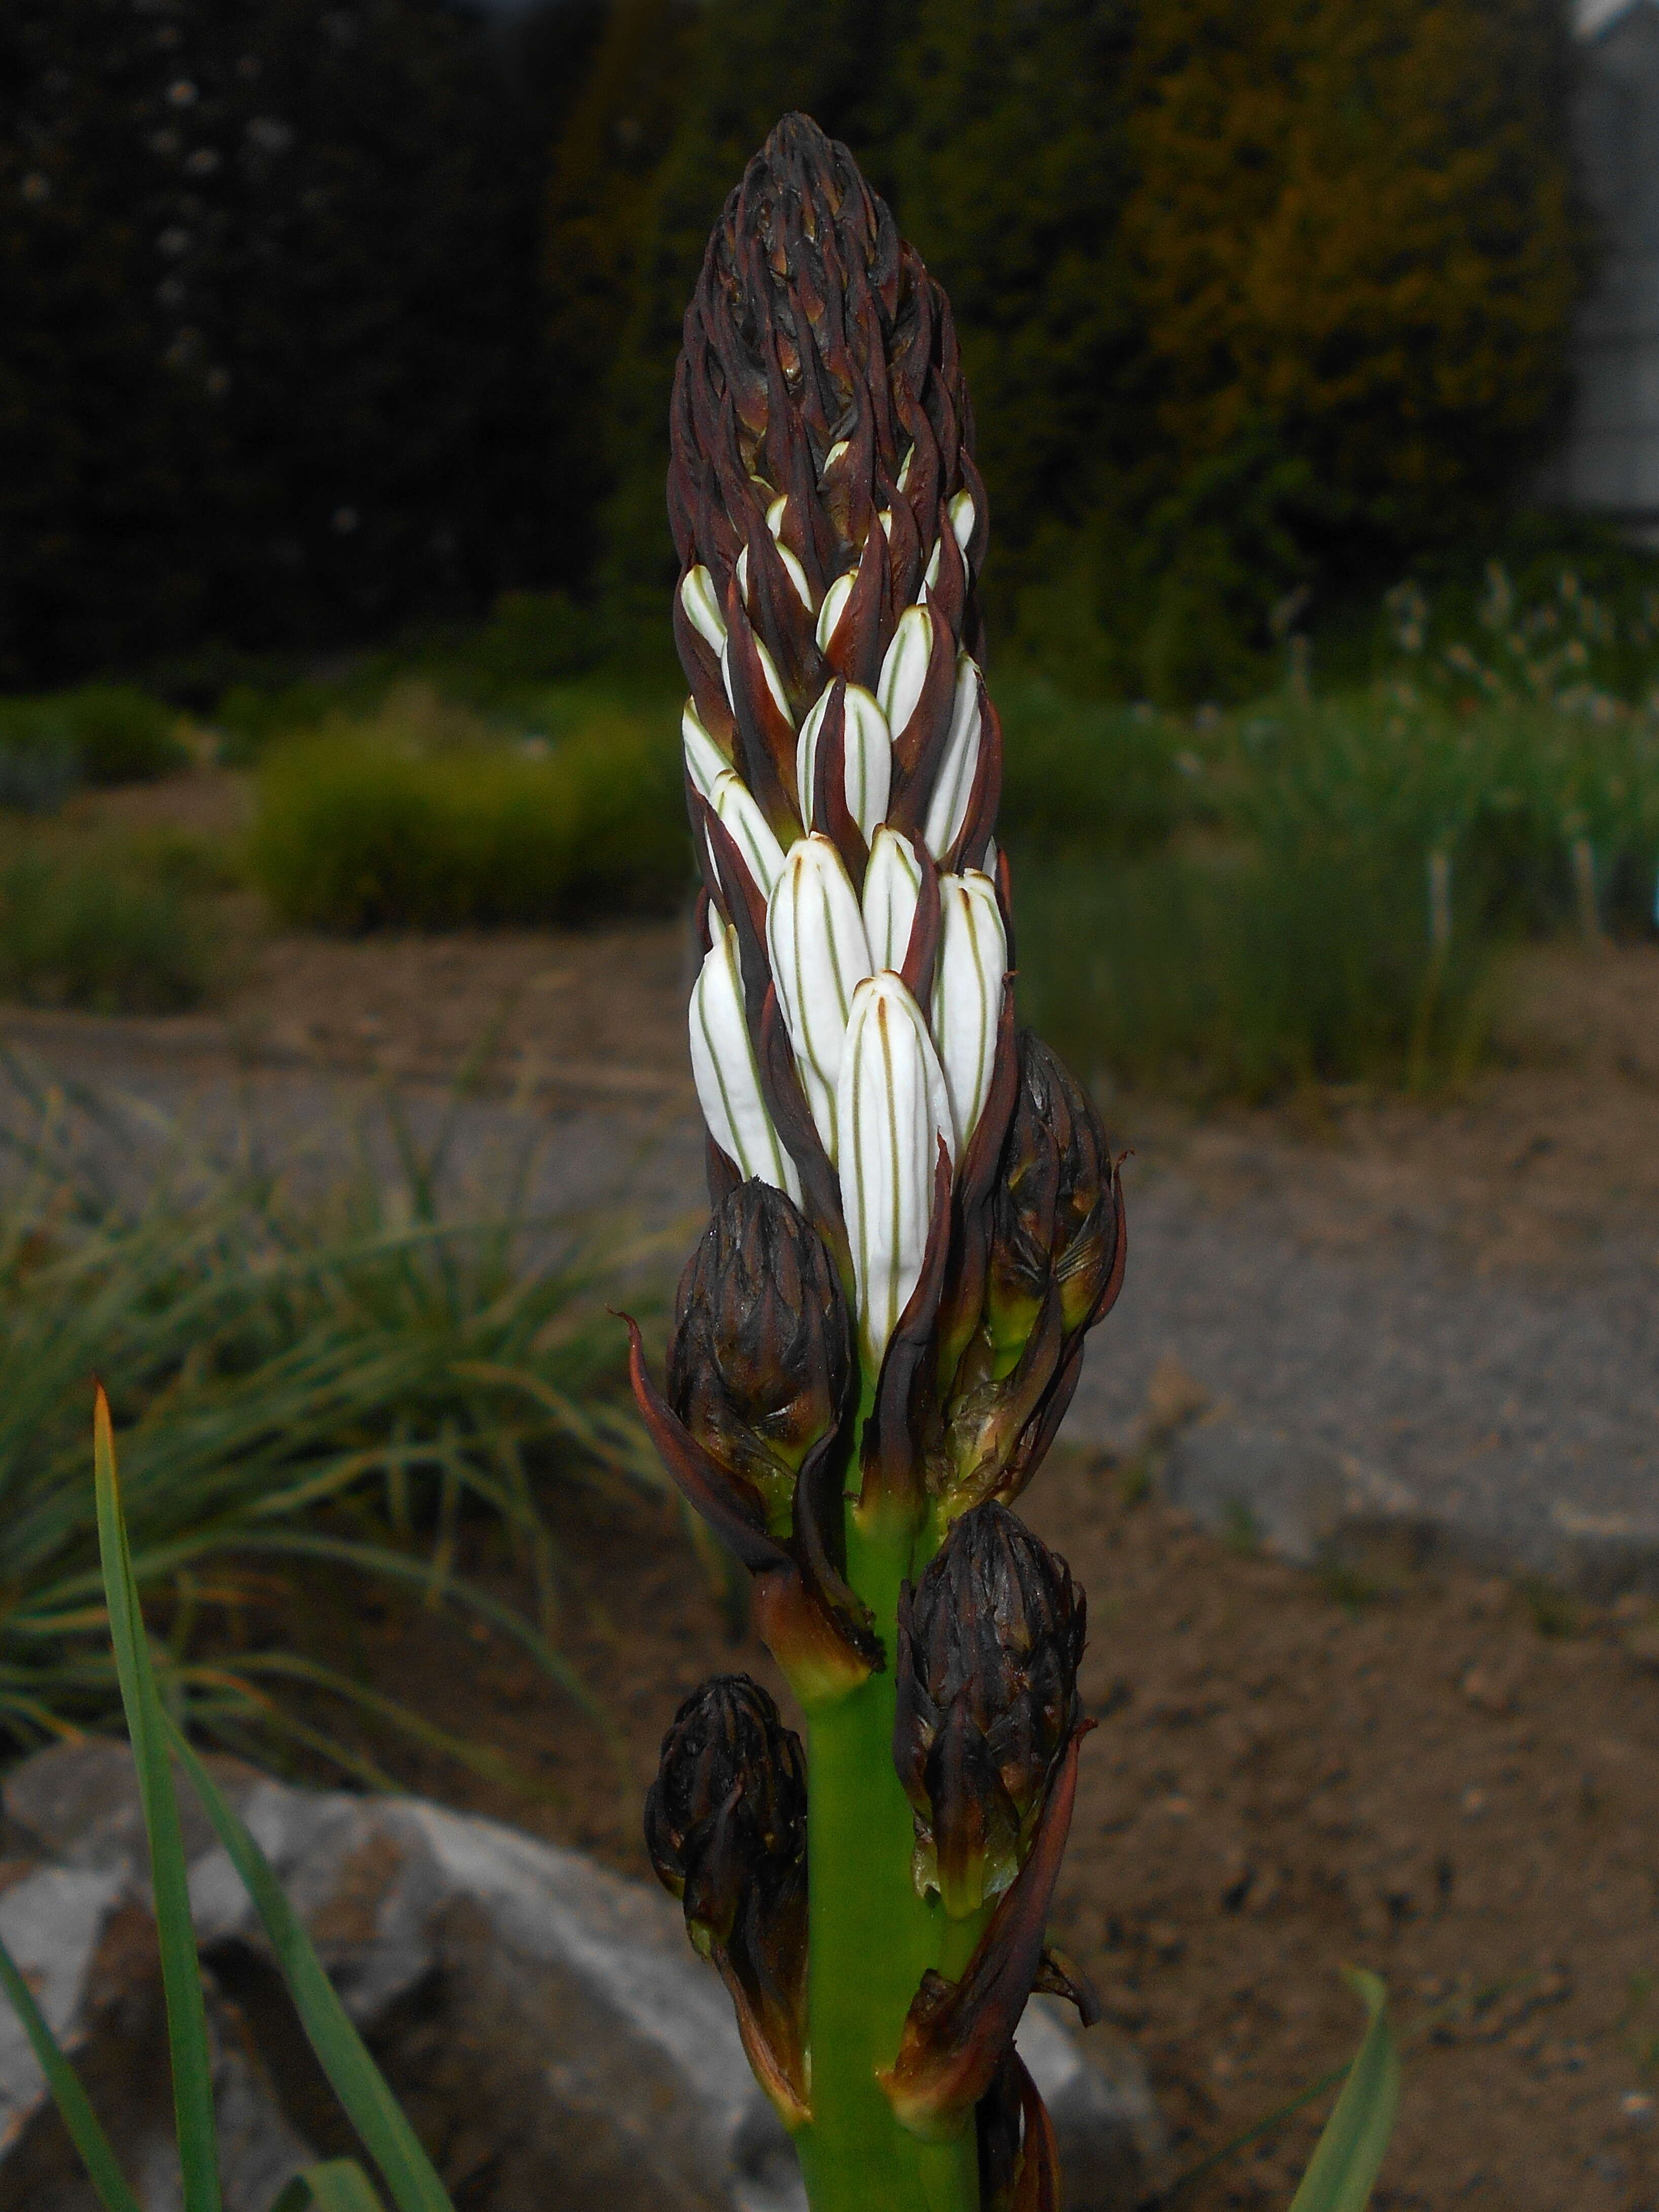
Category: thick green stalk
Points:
column 872, row 1937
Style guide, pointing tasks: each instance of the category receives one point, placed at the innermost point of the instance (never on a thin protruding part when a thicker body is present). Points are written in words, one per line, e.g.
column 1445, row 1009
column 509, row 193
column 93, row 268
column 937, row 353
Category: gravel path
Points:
column 1515, row 1404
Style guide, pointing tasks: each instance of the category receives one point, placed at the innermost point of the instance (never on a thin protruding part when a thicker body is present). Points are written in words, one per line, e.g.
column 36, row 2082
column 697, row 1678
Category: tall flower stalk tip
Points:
column 917, row 1220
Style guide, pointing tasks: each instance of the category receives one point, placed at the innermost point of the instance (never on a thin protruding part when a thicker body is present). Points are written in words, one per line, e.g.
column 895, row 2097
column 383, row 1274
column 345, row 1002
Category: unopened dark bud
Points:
column 1055, row 1211
column 726, row 1826
column 728, row 1805
column 760, row 1362
column 988, row 1645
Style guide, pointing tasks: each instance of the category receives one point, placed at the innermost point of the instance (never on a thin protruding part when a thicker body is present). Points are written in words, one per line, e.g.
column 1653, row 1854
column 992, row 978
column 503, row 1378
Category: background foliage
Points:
column 1253, row 296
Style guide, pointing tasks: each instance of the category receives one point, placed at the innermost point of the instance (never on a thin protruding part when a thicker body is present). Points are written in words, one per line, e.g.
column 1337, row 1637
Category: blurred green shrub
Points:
column 358, row 829
column 100, row 733
column 1245, row 975
column 97, row 931
column 1110, row 778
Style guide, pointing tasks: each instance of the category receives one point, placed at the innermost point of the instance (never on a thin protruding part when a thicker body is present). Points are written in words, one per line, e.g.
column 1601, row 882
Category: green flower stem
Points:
column 872, row 1937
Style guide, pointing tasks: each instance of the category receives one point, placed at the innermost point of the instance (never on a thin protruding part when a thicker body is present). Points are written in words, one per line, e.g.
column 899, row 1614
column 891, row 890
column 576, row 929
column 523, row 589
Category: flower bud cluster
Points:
column 726, row 1827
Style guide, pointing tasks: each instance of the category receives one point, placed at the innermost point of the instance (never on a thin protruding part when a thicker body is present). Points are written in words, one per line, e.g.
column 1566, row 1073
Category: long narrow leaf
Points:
column 85, row 2130
column 338, row 2184
column 355, row 2079
column 1347, row 2156
column 181, row 1973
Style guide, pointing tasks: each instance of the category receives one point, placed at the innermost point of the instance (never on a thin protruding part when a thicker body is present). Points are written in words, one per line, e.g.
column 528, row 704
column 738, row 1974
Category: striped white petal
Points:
column 973, row 959
column 768, row 669
column 893, row 1109
column 739, row 809
column 947, row 807
column 797, row 574
column 814, row 935
column 724, row 1066
column 834, row 601
column 701, row 603
column 869, row 758
column 892, row 885
column 704, row 760
column 904, row 670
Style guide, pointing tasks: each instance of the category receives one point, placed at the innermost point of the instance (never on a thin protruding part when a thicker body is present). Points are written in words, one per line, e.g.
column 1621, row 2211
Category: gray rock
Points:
column 546, row 2026
column 1294, row 1496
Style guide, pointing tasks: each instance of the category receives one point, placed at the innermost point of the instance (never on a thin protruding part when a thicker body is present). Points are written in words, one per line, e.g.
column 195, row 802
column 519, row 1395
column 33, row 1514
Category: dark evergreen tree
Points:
column 1006, row 156
column 269, row 276
column 753, row 61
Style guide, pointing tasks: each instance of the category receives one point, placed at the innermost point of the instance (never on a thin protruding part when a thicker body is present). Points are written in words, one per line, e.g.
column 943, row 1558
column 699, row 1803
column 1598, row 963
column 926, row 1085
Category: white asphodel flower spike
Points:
column 739, row 810
column 705, row 763
column 968, row 976
column 892, row 886
column 869, row 758
column 893, row 1109
column 724, row 1066
column 701, row 603
column 815, row 936
column 947, row 808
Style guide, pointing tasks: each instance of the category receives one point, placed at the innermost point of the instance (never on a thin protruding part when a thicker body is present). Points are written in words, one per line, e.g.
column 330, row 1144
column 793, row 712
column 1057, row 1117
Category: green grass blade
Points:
column 85, row 2130
column 354, row 2076
column 338, row 2184
column 1347, row 2156
column 181, row 1973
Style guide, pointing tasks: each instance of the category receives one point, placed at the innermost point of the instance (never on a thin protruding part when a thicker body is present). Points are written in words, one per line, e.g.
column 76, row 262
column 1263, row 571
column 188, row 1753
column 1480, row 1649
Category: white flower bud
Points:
column 815, row 936
column 739, row 809
column 947, row 806
column 704, row 760
column 776, row 513
column 869, row 758
column 973, row 959
column 963, row 517
column 834, row 601
column 904, row 670
column 768, row 669
column 892, row 885
column 893, row 1110
column 724, row 1066
column 797, row 574
column 701, row 603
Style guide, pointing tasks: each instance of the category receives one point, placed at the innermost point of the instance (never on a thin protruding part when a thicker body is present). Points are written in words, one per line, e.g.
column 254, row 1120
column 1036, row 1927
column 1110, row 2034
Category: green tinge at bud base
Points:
column 892, row 886
column 724, row 1070
column 737, row 807
column 869, row 758
column 894, row 1112
column 973, row 959
column 947, row 808
column 819, row 955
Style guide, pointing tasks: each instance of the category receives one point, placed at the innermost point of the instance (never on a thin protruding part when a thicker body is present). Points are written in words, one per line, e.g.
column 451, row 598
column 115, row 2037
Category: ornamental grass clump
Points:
column 917, row 1219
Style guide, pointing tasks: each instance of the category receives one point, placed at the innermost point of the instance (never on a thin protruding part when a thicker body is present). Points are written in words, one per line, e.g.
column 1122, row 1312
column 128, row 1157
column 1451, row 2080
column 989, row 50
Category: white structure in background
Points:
column 1610, row 463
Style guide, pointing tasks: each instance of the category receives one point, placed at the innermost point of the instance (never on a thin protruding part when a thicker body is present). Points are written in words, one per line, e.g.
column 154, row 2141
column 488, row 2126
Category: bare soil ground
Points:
column 1288, row 1776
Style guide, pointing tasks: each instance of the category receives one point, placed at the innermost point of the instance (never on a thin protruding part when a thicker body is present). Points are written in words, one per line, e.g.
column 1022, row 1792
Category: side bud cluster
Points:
column 726, row 1826
column 988, row 1645
column 986, row 1743
column 753, row 1425
column 1046, row 1266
